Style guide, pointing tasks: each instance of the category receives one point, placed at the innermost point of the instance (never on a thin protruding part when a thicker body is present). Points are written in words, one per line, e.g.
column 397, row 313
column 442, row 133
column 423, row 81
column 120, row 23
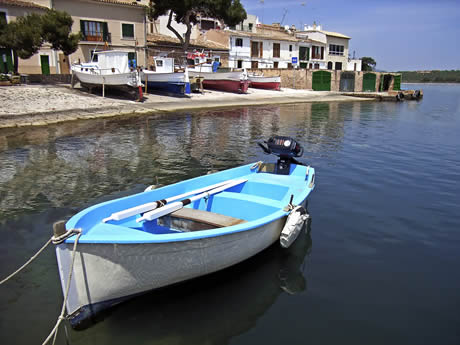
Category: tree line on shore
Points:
column 435, row 76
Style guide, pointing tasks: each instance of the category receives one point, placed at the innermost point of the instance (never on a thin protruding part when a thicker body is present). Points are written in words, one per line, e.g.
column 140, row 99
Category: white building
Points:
column 329, row 50
column 265, row 46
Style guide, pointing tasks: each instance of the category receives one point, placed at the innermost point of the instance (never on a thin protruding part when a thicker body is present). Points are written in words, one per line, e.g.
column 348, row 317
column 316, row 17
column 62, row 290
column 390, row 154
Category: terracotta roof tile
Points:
column 27, row 4
column 159, row 38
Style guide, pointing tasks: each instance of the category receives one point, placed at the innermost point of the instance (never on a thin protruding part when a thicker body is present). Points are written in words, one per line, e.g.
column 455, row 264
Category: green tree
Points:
column 26, row 34
column 231, row 12
column 368, row 63
column 22, row 36
column 57, row 30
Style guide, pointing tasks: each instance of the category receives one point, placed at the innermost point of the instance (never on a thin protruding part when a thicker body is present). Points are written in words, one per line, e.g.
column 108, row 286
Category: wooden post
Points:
column 103, row 87
column 146, row 81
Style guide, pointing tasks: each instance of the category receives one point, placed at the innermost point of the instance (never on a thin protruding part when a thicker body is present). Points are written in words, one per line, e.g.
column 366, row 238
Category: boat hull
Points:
column 268, row 83
column 106, row 274
column 116, row 79
column 238, row 86
column 166, row 82
column 225, row 81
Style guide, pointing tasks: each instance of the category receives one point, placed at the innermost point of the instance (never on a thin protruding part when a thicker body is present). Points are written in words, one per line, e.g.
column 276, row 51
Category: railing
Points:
column 97, row 37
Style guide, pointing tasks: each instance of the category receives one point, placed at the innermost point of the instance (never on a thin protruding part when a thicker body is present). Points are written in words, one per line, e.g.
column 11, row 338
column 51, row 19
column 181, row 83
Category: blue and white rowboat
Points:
column 179, row 232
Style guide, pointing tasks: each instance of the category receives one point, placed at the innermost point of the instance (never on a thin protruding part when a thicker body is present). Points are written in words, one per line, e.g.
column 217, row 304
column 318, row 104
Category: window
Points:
column 335, row 49
column 275, row 64
column 254, row 64
column 304, row 53
column 316, row 65
column 290, row 47
column 94, row 31
column 250, row 26
column 317, row 52
column 256, row 49
column 338, row 66
column 329, row 65
column 276, row 50
column 207, row 24
column 239, row 42
column 239, row 64
column 127, row 30
column 2, row 18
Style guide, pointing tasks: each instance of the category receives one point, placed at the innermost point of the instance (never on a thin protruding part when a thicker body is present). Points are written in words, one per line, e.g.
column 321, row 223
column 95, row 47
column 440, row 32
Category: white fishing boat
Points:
column 163, row 78
column 182, row 231
column 108, row 69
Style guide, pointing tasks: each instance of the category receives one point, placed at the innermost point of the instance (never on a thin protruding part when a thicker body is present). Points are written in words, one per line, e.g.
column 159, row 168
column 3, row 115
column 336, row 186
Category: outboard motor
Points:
column 286, row 148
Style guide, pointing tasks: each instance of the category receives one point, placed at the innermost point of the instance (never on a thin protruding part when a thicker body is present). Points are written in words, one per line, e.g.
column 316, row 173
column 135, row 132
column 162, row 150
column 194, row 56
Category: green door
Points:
column 397, row 83
column 45, row 63
column 369, row 80
column 321, row 81
column 6, row 61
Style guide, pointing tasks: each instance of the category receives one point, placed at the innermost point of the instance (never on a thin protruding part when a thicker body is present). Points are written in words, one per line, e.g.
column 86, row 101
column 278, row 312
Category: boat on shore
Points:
column 165, row 79
column 268, row 83
column 178, row 232
column 223, row 81
column 109, row 69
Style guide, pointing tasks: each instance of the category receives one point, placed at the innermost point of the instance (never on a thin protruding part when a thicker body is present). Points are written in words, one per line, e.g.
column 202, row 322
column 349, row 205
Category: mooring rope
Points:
column 56, row 240
column 27, row 263
column 61, row 316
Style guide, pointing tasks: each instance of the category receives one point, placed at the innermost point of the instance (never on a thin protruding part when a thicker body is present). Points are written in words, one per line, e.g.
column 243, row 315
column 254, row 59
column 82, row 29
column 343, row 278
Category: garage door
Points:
column 347, row 81
column 369, row 82
column 321, row 81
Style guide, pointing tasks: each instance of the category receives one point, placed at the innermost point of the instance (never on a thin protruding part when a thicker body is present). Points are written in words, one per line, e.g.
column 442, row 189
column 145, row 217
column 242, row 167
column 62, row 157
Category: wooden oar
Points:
column 180, row 204
column 154, row 204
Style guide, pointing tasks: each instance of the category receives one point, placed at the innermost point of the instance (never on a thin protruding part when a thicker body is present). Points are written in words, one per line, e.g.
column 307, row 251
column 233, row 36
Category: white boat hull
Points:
column 116, row 79
column 109, row 273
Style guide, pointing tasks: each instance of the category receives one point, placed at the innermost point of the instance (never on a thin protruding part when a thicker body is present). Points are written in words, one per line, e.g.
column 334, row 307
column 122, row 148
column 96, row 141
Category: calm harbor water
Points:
column 379, row 263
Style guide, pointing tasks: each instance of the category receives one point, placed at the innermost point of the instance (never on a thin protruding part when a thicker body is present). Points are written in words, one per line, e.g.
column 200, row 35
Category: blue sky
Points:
column 399, row 35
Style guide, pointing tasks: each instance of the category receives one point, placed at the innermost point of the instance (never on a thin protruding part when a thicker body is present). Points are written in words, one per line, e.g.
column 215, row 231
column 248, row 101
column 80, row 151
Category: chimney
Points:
column 293, row 27
column 314, row 25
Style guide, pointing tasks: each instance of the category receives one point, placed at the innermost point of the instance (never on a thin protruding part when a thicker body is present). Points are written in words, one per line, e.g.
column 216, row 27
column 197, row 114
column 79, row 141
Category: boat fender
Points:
column 416, row 94
column 293, row 225
column 400, row 96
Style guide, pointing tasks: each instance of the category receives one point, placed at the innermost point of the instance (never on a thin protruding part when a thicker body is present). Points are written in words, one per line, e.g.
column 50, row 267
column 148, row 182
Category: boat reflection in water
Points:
column 210, row 309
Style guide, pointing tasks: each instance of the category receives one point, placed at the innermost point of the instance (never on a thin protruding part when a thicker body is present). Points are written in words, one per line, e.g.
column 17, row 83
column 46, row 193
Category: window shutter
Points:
column 105, row 32
column 261, row 49
column 82, row 29
column 322, row 53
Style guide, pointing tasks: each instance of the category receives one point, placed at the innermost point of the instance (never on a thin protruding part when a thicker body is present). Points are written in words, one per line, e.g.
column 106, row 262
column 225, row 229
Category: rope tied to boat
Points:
column 68, row 233
column 58, row 239
column 257, row 165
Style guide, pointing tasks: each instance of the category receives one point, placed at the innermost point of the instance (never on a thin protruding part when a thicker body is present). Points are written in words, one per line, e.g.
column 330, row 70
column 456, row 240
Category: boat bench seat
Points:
column 214, row 219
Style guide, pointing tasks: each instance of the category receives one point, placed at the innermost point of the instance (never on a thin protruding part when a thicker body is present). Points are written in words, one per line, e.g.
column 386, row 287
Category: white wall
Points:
column 351, row 65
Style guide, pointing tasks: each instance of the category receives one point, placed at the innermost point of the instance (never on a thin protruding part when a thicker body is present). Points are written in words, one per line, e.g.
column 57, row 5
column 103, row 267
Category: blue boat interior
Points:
column 261, row 199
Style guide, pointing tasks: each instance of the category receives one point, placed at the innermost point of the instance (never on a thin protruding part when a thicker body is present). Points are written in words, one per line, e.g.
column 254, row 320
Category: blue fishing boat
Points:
column 124, row 247
column 165, row 79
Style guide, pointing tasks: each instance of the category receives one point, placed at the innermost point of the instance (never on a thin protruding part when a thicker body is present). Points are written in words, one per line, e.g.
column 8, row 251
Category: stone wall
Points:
column 303, row 78
column 46, row 79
